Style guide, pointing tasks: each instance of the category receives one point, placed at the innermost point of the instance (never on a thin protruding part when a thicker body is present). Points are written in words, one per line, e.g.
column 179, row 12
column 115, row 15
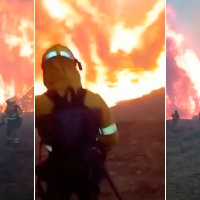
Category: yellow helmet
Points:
column 11, row 101
column 59, row 50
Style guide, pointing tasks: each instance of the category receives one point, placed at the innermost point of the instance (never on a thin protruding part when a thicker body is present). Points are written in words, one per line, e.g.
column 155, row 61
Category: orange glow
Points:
column 123, row 56
column 186, row 86
column 17, row 51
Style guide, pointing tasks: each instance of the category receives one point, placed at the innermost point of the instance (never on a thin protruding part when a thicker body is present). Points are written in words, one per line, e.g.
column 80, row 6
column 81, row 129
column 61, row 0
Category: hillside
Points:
column 182, row 160
column 150, row 107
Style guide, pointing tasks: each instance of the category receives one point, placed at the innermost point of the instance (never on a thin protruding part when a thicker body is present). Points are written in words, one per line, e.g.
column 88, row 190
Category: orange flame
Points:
column 17, row 49
column 185, row 98
column 115, row 49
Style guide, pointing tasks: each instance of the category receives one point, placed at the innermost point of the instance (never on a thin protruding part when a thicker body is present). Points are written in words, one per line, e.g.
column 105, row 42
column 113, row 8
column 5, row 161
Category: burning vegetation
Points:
column 123, row 57
column 17, row 52
column 25, row 101
column 183, row 69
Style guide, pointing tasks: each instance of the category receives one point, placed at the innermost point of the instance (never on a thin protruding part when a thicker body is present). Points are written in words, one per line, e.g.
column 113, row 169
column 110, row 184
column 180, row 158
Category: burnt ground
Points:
column 17, row 165
column 183, row 160
column 137, row 163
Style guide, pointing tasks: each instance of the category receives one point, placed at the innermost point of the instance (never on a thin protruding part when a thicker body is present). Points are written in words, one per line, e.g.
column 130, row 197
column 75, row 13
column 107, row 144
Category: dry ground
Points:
column 183, row 160
column 17, row 166
column 137, row 163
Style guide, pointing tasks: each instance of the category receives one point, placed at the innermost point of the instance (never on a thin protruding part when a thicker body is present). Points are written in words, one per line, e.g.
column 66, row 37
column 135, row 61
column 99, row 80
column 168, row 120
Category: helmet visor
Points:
column 61, row 53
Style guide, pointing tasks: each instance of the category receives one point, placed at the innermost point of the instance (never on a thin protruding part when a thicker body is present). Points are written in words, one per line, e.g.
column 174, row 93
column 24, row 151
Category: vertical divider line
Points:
column 34, row 94
column 165, row 100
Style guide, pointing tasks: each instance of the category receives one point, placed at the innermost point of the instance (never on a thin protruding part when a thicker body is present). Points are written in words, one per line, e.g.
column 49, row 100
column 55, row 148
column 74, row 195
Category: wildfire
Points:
column 123, row 56
column 183, row 69
column 17, row 52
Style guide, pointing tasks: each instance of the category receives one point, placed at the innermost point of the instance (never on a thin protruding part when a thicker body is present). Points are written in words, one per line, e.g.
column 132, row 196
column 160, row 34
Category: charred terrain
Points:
column 17, row 165
column 183, row 160
column 137, row 164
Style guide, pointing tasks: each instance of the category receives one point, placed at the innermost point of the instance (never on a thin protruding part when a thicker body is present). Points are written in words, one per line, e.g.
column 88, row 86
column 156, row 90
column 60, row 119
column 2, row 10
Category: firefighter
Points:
column 59, row 73
column 13, row 118
column 175, row 117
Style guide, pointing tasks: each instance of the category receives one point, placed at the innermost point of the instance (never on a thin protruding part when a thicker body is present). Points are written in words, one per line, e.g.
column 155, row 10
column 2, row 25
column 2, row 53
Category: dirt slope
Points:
column 137, row 163
column 17, row 166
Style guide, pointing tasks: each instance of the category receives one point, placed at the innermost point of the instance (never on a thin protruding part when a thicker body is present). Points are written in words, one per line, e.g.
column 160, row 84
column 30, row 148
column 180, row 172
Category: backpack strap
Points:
column 72, row 92
column 80, row 95
column 53, row 96
column 75, row 97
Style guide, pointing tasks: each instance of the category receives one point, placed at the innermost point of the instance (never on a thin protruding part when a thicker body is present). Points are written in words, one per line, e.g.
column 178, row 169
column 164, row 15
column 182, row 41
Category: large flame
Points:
column 17, row 42
column 183, row 72
column 120, row 43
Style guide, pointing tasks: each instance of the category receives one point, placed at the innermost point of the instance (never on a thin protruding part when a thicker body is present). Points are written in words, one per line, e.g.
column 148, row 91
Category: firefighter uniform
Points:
column 13, row 116
column 59, row 72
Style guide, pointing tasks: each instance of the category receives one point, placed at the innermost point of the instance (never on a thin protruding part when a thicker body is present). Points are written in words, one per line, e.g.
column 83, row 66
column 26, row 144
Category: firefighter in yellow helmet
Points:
column 13, row 116
column 63, row 82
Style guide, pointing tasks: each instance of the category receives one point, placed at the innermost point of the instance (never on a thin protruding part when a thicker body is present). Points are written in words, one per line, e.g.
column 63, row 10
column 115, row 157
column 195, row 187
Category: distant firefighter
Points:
column 13, row 119
column 175, row 117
